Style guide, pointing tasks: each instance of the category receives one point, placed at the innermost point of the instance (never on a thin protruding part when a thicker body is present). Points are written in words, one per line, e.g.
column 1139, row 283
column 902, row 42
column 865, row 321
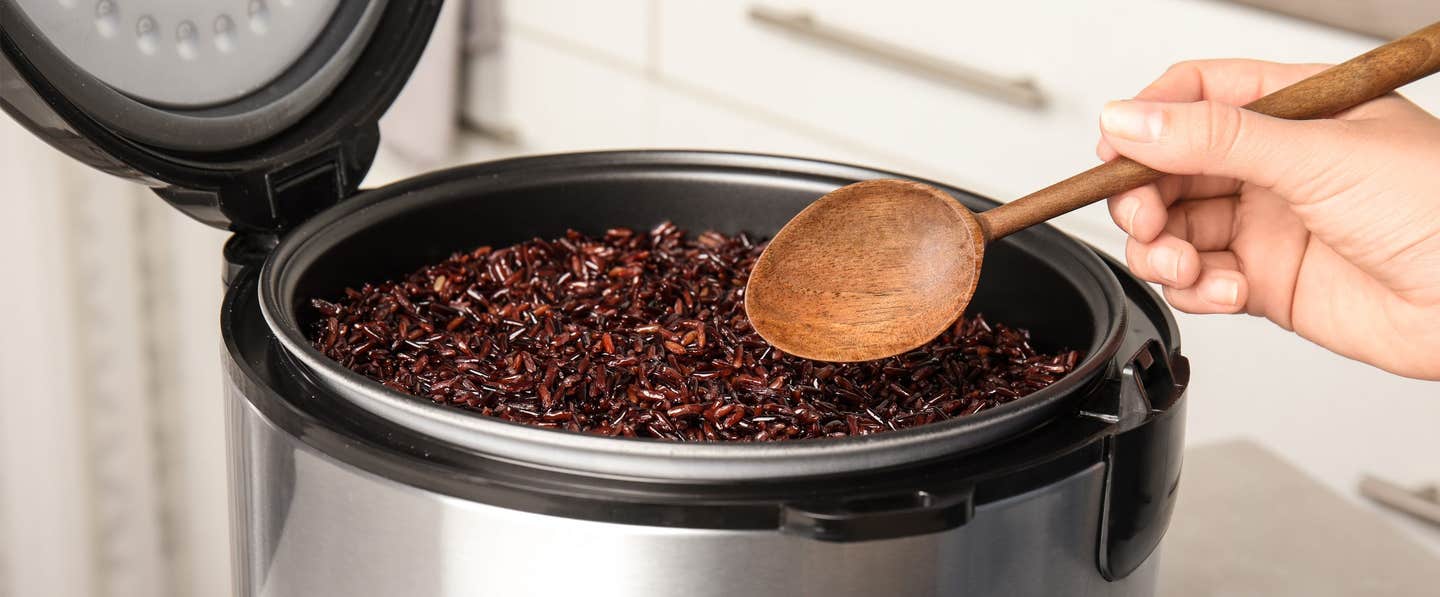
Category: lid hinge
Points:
column 301, row 191
column 277, row 199
column 296, row 192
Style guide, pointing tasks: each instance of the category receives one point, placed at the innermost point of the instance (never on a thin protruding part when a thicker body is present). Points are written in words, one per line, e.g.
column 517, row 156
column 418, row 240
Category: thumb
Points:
column 1216, row 139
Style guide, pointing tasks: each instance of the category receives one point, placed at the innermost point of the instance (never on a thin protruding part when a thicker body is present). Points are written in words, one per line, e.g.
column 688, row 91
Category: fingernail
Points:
column 1136, row 121
column 1221, row 291
column 1166, row 263
column 1128, row 207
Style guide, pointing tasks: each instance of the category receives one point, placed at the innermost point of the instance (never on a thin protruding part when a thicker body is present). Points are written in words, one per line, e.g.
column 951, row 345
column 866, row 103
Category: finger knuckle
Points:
column 1180, row 67
column 1184, row 66
column 1177, row 299
column 1220, row 130
column 1344, row 132
column 1180, row 217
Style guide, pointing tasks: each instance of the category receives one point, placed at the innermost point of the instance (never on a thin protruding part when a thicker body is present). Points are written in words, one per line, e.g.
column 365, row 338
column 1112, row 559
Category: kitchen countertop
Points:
column 1249, row 523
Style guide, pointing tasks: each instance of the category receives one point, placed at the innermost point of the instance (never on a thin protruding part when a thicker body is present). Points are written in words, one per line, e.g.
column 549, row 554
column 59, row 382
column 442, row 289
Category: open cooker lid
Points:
column 244, row 114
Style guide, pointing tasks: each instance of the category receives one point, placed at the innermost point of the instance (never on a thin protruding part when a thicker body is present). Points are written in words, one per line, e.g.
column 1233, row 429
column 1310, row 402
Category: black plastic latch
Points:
column 880, row 516
column 245, row 250
column 1145, row 385
column 1144, row 459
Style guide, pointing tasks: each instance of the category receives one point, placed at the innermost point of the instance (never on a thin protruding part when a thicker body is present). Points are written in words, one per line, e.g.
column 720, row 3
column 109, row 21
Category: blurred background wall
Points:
column 112, row 479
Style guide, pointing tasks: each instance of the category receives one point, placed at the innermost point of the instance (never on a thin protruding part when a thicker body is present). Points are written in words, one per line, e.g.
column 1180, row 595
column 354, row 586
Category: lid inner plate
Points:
column 182, row 53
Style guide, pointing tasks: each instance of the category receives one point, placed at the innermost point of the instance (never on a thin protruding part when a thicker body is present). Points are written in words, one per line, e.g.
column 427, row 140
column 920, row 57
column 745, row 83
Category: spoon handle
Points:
column 1337, row 88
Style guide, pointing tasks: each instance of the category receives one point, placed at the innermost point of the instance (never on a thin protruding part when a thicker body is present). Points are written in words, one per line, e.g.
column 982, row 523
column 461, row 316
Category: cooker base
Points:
column 310, row 525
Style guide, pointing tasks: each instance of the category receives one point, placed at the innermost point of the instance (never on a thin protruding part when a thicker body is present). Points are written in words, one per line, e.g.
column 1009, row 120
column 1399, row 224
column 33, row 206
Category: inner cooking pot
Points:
column 1037, row 279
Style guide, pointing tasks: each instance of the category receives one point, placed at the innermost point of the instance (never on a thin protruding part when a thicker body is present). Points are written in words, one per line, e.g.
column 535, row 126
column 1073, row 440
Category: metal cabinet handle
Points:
column 1423, row 503
column 1020, row 91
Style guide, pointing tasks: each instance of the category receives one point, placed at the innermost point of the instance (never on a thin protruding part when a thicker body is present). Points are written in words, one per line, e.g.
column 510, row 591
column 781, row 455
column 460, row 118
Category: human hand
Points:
column 1329, row 227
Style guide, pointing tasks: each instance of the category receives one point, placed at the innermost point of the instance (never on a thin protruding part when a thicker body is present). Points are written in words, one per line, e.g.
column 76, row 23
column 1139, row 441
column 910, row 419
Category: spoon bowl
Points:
column 866, row 271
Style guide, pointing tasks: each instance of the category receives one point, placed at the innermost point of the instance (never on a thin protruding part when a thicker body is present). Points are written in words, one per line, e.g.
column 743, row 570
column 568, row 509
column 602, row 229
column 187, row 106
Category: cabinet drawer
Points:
column 988, row 145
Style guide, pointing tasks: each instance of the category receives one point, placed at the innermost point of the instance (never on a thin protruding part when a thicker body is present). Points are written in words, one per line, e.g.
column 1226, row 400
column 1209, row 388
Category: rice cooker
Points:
column 260, row 117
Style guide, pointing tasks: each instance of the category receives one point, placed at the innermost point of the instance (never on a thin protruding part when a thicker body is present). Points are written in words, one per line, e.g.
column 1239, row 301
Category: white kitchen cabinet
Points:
column 560, row 101
column 616, row 30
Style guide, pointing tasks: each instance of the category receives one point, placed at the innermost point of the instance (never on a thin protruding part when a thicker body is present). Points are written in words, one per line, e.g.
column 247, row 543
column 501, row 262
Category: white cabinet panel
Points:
column 617, row 29
column 46, row 526
column 560, row 101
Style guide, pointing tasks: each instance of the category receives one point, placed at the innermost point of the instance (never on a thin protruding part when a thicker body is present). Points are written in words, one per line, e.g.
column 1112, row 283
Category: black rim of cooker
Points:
column 630, row 458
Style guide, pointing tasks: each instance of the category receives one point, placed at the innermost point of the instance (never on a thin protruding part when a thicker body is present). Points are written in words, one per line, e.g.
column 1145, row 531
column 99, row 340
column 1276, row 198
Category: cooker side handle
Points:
column 880, row 516
column 1143, row 461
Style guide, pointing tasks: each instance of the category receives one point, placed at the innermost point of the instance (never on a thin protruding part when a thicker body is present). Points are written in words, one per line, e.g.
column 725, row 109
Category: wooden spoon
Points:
column 879, row 267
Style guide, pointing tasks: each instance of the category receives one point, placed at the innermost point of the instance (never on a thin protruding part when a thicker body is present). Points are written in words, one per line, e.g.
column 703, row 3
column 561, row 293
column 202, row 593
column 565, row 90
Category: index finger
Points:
column 1233, row 81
